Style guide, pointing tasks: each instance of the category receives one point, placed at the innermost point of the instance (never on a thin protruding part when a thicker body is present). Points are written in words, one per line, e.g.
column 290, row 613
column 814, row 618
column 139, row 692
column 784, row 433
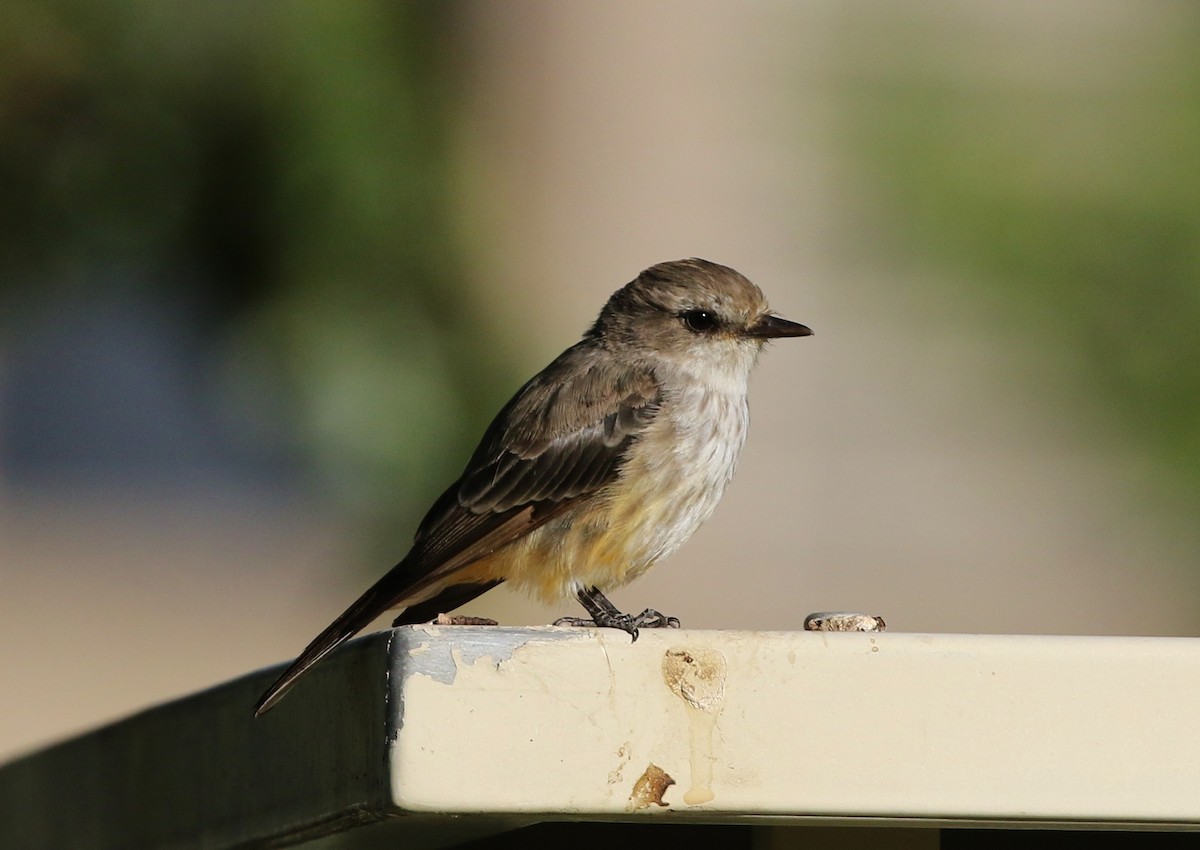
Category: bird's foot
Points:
column 648, row 619
column 607, row 616
column 604, row 621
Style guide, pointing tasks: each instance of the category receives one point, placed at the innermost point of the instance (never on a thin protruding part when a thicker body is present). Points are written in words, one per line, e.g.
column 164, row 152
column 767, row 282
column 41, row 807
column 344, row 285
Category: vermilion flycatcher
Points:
column 603, row 463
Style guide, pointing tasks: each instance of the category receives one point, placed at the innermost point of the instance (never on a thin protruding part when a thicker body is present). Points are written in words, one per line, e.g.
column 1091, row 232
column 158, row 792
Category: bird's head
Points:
column 697, row 315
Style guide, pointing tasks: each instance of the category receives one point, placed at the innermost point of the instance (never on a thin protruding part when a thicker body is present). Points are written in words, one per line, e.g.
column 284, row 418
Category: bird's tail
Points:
column 382, row 595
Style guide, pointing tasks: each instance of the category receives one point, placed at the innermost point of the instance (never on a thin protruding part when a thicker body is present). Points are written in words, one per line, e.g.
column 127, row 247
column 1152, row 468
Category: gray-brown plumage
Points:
column 604, row 462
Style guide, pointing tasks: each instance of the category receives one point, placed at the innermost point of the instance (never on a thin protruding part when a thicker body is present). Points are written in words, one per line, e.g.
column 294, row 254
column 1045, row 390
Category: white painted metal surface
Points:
column 504, row 726
column 994, row 728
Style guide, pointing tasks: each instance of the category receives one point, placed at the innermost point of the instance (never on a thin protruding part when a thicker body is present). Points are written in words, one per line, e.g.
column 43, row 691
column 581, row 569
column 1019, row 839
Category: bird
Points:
column 602, row 464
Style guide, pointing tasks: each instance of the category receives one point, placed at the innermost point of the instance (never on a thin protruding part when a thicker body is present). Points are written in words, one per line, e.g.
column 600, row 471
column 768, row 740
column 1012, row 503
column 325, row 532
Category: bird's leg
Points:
column 604, row 613
column 648, row 619
column 607, row 616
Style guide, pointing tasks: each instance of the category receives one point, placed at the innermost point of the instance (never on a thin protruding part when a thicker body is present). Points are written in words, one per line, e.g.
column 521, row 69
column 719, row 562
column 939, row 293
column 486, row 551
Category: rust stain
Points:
column 697, row 676
column 649, row 788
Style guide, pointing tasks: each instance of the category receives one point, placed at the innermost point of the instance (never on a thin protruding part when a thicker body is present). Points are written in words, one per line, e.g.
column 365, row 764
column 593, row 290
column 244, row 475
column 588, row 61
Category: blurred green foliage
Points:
column 284, row 168
column 1052, row 160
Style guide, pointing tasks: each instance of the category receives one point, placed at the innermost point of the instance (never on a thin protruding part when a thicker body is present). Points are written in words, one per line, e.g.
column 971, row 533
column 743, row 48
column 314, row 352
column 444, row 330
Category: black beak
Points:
column 772, row 327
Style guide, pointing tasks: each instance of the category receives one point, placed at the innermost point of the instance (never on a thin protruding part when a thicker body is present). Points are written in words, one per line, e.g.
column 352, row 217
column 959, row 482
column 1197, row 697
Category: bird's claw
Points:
column 651, row 619
column 624, row 622
column 577, row 622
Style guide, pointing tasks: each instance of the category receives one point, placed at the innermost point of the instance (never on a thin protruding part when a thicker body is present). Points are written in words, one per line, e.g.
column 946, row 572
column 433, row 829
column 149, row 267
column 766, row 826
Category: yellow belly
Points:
column 669, row 486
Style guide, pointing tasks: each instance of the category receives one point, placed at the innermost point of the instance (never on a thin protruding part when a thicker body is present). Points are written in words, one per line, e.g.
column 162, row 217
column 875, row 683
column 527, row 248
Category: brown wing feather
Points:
column 562, row 436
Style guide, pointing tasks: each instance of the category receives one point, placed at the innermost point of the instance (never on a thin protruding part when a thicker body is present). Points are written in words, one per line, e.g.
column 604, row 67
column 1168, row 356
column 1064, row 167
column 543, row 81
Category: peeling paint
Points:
column 614, row 775
column 440, row 659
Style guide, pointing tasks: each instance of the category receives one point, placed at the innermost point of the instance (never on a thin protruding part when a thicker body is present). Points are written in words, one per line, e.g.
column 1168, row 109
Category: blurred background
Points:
column 267, row 270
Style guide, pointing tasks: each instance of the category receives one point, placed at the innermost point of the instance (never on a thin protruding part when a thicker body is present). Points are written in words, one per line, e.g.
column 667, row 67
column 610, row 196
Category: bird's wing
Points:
column 563, row 436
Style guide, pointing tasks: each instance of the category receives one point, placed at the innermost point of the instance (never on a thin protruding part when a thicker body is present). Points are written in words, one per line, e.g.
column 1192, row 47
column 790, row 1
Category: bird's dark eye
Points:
column 699, row 320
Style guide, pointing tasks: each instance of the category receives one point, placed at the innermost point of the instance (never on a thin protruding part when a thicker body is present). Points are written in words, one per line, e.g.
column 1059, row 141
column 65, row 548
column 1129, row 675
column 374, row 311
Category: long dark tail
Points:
column 384, row 594
column 389, row 592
